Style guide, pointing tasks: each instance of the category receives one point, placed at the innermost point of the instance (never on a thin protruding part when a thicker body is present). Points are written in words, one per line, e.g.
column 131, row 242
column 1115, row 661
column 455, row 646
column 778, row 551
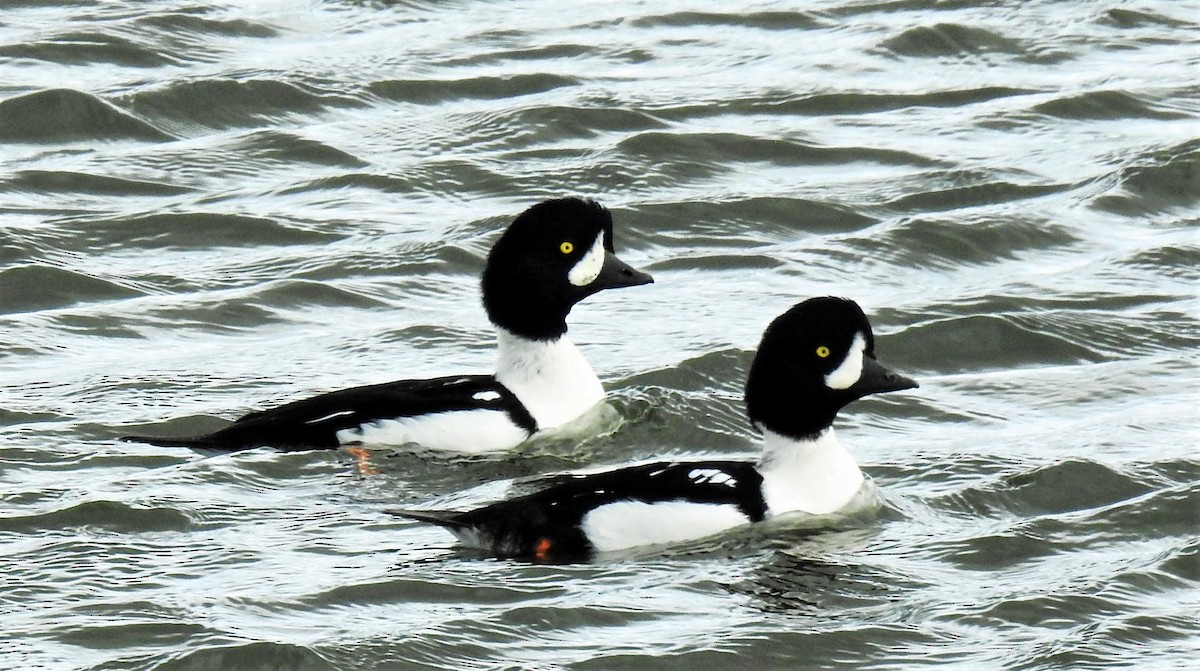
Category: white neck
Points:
column 550, row 378
column 815, row 476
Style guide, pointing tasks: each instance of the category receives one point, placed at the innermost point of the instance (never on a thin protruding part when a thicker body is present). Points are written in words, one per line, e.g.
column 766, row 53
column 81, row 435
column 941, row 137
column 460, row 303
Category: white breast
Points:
column 626, row 524
column 814, row 476
column 459, row 430
column 550, row 378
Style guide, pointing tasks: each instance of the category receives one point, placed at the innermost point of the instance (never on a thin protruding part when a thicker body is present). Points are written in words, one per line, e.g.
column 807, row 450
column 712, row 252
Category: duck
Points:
column 812, row 361
column 553, row 255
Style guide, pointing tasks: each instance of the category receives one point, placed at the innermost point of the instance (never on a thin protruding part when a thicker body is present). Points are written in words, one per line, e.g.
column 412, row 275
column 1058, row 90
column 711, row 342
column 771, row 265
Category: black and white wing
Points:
column 578, row 515
column 450, row 409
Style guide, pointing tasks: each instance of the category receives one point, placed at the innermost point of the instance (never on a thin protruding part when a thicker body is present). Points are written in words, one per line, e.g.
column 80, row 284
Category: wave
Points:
column 202, row 28
column 764, row 20
column 1164, row 180
column 188, row 105
column 292, row 148
column 66, row 115
column 1051, row 489
column 1122, row 17
column 32, row 287
column 987, row 342
column 951, row 39
column 974, row 195
column 67, row 181
column 946, row 243
column 1178, row 261
column 81, row 48
column 721, row 148
column 743, row 223
column 1105, row 105
column 786, row 102
column 193, row 230
column 112, row 516
column 243, row 655
column 433, row 91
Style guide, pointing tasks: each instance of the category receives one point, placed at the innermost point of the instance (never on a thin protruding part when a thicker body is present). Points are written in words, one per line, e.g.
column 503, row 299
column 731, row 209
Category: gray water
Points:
column 210, row 207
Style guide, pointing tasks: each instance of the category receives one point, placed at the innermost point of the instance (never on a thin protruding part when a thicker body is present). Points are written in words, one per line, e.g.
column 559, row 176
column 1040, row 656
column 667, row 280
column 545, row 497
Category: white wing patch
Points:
column 340, row 413
column 458, row 431
column 486, row 395
column 586, row 270
column 627, row 524
column 848, row 372
column 712, row 476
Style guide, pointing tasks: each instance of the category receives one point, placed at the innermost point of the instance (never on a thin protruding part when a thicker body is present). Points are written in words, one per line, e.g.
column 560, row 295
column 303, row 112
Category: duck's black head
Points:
column 552, row 256
column 813, row 360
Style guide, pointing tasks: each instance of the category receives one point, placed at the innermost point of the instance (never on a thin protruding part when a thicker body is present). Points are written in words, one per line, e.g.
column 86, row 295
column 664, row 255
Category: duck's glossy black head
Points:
column 552, row 256
column 813, row 360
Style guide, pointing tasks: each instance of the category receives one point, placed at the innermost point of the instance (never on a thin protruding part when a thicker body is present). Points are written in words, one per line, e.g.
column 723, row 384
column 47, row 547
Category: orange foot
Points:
column 362, row 459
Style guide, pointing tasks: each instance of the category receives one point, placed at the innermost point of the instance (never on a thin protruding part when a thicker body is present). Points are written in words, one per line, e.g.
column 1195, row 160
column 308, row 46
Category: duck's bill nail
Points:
column 616, row 273
column 876, row 379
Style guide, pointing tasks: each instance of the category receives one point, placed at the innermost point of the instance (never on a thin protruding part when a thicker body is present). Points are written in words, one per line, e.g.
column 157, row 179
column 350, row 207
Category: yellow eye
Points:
column 823, row 352
column 566, row 248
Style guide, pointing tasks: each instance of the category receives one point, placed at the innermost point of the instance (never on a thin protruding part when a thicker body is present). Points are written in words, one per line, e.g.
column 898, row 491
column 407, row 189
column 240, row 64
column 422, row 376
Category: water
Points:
column 210, row 207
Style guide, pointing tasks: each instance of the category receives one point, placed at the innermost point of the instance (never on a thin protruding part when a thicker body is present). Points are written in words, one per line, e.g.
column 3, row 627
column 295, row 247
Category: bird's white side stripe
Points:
column 626, row 524
column 459, row 430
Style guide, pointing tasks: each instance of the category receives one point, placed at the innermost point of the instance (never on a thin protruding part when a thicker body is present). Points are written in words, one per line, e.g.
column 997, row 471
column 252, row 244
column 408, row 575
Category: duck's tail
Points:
column 450, row 519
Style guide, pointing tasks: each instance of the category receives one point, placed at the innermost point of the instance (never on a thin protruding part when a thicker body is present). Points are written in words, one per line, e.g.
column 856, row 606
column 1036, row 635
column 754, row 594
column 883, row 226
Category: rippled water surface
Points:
column 210, row 207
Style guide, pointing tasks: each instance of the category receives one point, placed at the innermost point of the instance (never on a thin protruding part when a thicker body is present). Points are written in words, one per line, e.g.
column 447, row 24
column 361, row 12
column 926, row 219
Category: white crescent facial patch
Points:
column 586, row 270
column 848, row 372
